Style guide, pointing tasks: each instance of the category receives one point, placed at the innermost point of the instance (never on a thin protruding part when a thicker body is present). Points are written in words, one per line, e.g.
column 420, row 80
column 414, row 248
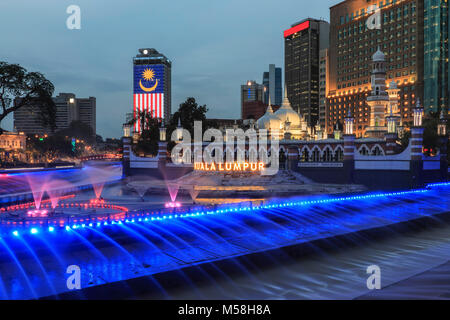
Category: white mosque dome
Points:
column 286, row 113
column 269, row 121
column 378, row 56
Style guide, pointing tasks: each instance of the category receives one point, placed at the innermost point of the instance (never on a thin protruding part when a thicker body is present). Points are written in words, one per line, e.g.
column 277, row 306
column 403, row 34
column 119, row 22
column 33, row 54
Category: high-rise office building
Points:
column 28, row 119
column 323, row 87
column 68, row 108
column 303, row 42
column 87, row 112
column 252, row 100
column 436, row 75
column 152, row 85
column 272, row 80
column 413, row 35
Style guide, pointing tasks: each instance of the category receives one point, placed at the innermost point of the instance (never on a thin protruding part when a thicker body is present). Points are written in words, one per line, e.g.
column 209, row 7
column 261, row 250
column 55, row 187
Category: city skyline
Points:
column 210, row 59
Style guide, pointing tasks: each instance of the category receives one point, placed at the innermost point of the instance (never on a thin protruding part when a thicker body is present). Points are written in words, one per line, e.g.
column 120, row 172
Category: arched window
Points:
column 364, row 151
column 339, row 155
column 377, row 151
column 327, row 155
column 316, row 155
column 305, row 155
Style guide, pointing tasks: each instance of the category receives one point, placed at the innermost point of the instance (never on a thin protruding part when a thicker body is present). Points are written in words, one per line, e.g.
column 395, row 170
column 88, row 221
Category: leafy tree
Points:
column 98, row 138
column 148, row 140
column 188, row 112
column 79, row 130
column 31, row 87
column 430, row 136
column 50, row 147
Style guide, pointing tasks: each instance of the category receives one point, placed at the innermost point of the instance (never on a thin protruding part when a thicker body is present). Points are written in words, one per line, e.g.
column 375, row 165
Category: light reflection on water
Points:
column 342, row 275
column 120, row 252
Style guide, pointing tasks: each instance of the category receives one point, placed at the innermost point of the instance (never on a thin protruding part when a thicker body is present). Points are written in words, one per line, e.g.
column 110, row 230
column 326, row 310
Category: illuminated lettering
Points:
column 230, row 166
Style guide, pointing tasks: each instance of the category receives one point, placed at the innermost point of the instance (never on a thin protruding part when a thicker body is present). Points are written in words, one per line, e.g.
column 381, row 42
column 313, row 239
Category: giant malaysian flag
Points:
column 148, row 92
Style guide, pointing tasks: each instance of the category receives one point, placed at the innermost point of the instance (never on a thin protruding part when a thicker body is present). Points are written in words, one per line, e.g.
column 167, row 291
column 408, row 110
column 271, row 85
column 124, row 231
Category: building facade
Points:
column 28, row 119
column 252, row 100
column 152, row 73
column 13, row 141
column 303, row 43
column 435, row 56
column 68, row 108
column 272, row 81
column 323, row 87
column 413, row 36
column 87, row 112
column 13, row 146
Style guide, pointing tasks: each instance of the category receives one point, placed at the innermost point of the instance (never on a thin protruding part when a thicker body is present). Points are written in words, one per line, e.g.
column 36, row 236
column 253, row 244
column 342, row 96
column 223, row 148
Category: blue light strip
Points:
column 439, row 184
column 248, row 209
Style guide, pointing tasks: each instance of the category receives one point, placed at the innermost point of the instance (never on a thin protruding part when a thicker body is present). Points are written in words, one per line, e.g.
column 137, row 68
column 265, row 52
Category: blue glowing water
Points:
column 33, row 264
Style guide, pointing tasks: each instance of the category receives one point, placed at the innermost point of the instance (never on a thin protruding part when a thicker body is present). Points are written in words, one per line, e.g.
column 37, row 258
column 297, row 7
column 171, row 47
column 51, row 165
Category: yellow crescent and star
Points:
column 148, row 75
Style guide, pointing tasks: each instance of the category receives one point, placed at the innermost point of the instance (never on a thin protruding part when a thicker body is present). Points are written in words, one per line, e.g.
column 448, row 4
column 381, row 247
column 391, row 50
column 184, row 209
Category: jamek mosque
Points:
column 376, row 160
column 384, row 111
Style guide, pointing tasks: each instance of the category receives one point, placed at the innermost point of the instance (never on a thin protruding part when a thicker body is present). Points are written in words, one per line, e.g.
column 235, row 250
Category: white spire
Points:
column 286, row 102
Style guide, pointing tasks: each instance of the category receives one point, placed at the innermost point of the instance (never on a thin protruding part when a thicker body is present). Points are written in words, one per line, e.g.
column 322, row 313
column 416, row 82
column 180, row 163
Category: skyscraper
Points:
column 273, row 83
column 252, row 100
column 413, row 35
column 435, row 55
column 323, row 87
column 152, row 85
column 303, row 42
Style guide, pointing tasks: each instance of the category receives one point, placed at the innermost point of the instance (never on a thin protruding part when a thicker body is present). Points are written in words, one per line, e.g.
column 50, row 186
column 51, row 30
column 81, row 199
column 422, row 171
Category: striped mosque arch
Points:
column 377, row 150
column 364, row 150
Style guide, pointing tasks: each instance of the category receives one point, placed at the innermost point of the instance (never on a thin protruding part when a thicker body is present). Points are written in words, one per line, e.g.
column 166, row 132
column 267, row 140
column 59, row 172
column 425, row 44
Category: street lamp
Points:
column 349, row 122
column 179, row 130
column 391, row 122
column 418, row 114
column 162, row 132
column 127, row 130
column 442, row 126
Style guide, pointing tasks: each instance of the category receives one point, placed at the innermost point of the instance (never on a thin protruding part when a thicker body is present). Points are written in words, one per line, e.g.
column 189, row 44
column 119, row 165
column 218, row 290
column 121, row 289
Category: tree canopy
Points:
column 188, row 112
column 148, row 140
column 31, row 87
column 79, row 130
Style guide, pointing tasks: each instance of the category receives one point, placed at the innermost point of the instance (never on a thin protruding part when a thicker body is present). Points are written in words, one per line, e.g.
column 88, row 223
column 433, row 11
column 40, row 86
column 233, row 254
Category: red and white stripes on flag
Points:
column 152, row 103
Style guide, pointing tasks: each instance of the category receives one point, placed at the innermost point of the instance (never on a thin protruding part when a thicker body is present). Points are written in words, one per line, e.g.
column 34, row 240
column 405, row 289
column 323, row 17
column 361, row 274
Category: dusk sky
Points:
column 215, row 46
